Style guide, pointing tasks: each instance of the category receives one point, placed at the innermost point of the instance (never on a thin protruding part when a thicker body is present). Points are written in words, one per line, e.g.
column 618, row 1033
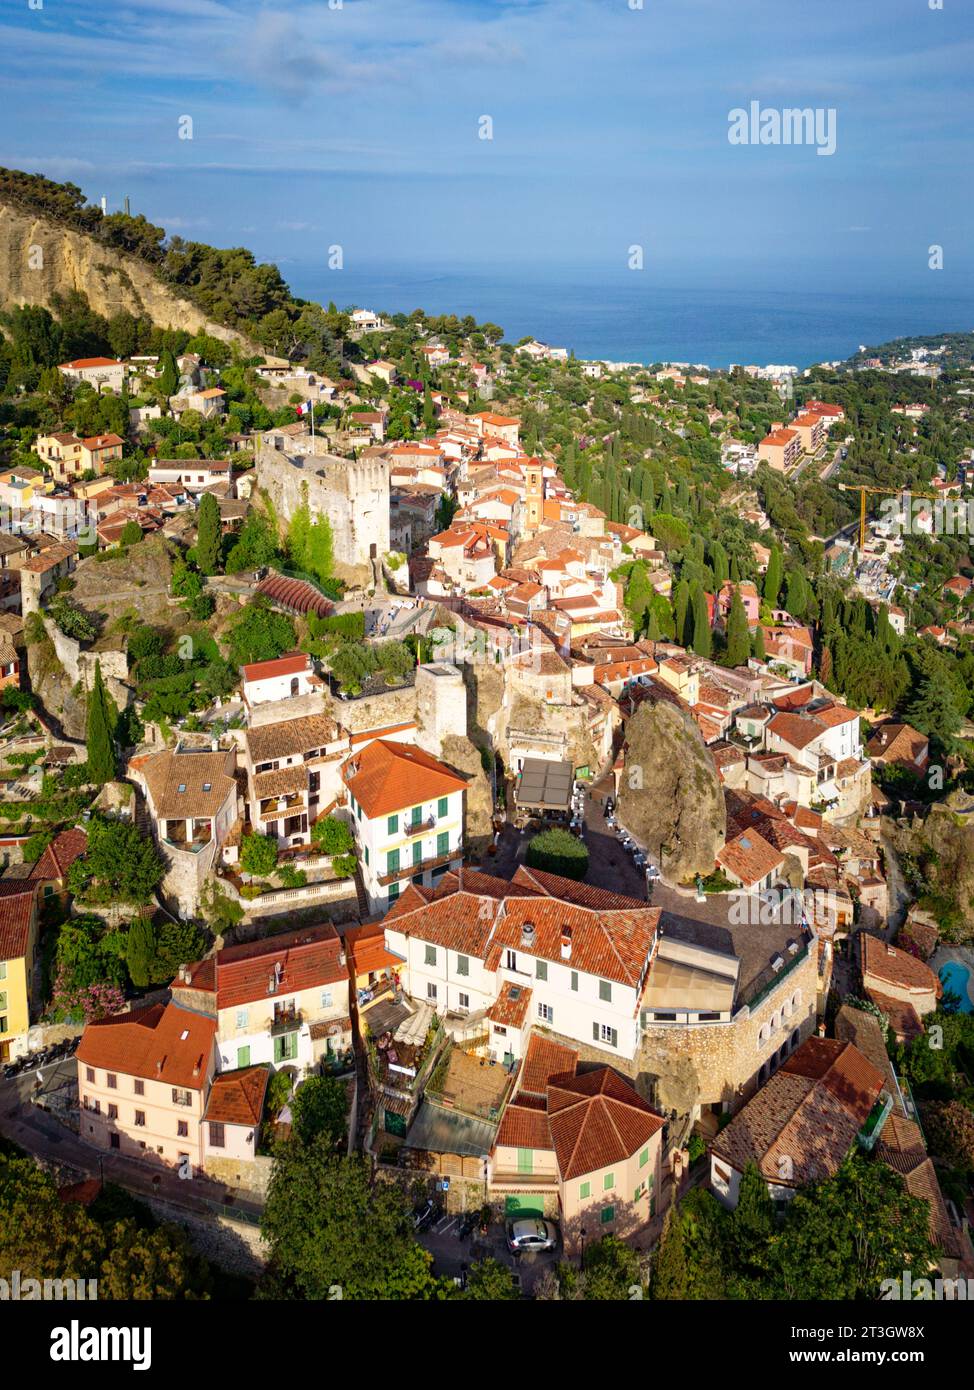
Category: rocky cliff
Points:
column 937, row 856
column 39, row 259
column 670, row 796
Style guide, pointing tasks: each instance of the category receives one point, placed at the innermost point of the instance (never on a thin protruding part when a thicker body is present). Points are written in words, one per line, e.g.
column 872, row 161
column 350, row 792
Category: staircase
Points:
column 364, row 910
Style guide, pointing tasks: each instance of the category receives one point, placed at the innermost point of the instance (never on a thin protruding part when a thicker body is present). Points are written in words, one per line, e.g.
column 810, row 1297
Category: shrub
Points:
column 558, row 852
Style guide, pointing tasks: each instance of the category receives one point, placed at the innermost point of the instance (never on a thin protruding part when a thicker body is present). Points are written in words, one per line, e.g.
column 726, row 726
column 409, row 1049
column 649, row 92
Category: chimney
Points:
column 566, row 942
column 159, row 1067
column 184, row 974
column 104, row 206
column 127, row 211
column 527, row 934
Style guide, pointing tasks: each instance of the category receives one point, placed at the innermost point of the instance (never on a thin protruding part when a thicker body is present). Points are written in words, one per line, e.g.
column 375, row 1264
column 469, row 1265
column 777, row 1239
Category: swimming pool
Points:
column 956, row 977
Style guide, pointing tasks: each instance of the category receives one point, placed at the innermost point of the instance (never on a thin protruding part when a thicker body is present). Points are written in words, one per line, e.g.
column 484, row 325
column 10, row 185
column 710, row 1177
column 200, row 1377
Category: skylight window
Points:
column 207, row 786
column 181, row 787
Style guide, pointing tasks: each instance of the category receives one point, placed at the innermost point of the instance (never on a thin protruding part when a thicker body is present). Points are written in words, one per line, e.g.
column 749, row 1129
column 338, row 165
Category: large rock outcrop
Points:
column 670, row 797
column 938, row 855
column 39, row 259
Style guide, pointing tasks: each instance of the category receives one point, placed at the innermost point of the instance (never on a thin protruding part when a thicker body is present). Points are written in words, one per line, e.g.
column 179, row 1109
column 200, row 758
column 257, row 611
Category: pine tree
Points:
column 773, row 576
column 934, row 711
column 796, row 600
column 738, row 638
column 208, row 534
column 102, row 717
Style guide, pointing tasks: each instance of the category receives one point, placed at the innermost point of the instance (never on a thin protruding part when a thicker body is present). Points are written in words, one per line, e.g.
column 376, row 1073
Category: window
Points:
column 417, row 851
column 139, row 1117
column 510, row 960
column 3, row 1000
column 392, row 861
column 607, row 1214
column 392, row 825
column 605, row 991
column 443, row 842
column 366, row 854
column 113, row 1112
column 3, row 969
column 3, row 1023
column 90, row 1074
column 608, row 1182
column 182, row 1129
column 216, row 1136
column 326, row 999
column 243, row 1018
column 575, row 981
column 541, row 970
column 500, row 1031
column 463, row 965
column 638, row 1192
column 140, row 1088
column 584, row 1191
column 721, row 1173
column 181, row 1097
column 546, row 1013
column 430, row 990
column 442, row 805
column 464, row 1000
column 430, row 957
column 602, row 1033
column 243, row 1056
column 525, row 1160
column 286, row 1047
column 644, row 1158
column 393, row 892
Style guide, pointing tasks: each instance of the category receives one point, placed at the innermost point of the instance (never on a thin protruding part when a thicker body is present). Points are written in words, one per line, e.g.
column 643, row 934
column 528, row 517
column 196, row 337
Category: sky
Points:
column 357, row 123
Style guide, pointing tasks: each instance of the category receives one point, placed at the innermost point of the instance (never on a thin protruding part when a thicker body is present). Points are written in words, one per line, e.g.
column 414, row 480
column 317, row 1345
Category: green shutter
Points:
column 575, row 980
column 393, row 892
column 541, row 970
column 392, row 862
column 607, row 1214
column 443, row 842
column 525, row 1160
column 417, row 851
column 243, row 1056
column 595, row 1032
column 584, row 1191
column 441, row 806
column 392, row 825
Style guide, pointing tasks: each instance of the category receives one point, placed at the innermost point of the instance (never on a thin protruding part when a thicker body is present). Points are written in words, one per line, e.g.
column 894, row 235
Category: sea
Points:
column 630, row 317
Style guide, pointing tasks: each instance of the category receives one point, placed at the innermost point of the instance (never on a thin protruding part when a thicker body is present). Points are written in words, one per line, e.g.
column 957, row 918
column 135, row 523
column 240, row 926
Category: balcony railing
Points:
column 287, row 1021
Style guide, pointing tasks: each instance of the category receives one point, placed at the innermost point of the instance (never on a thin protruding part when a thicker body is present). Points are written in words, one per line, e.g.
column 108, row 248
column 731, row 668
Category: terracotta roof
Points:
column 366, row 948
column 16, row 915
column 802, row 1123
column 284, row 666
column 237, row 1097
column 184, row 784
column 597, row 1119
column 891, row 966
column 387, row 777
column 308, row 957
column 510, row 1008
column 749, row 857
column 892, row 742
column 902, row 1149
column 60, row 854
column 161, row 1043
column 903, row 1017
column 545, row 1058
column 283, row 739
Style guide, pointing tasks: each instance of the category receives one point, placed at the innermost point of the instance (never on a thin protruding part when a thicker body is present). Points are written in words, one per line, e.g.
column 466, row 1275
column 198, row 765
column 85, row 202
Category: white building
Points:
column 539, row 951
column 407, row 814
column 289, row 677
column 99, row 372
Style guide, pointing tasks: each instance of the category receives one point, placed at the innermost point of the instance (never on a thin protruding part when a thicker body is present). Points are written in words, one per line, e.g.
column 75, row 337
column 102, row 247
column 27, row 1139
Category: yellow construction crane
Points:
column 865, row 492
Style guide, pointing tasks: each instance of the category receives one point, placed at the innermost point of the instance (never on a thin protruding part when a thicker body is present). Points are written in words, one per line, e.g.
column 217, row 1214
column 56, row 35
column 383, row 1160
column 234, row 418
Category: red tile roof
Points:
column 283, row 666
column 308, row 957
column 16, row 915
column 161, row 1043
column 386, row 777
column 60, row 854
column 237, row 1097
column 597, row 1119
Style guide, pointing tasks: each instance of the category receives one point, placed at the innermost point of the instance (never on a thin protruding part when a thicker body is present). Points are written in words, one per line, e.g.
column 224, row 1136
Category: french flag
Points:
column 304, row 408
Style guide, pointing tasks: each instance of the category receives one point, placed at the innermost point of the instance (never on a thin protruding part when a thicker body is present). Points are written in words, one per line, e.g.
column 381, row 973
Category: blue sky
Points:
column 358, row 126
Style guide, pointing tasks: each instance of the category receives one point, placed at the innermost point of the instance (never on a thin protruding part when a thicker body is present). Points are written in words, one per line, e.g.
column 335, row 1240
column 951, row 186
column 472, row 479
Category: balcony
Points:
column 408, row 868
column 286, row 1021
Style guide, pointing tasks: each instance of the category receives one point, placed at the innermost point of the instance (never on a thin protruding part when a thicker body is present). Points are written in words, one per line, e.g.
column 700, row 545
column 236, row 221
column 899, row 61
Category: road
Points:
column 452, row 1255
column 39, row 1133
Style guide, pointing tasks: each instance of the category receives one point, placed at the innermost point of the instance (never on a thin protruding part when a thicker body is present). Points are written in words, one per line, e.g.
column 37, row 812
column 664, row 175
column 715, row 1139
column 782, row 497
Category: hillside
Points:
column 73, row 260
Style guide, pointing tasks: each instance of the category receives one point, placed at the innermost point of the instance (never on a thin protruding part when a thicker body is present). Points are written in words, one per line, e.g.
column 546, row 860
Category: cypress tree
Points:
column 681, row 603
column 773, row 577
column 703, row 638
column 208, row 534
column 670, row 1265
column 102, row 717
column 758, row 645
column 738, row 639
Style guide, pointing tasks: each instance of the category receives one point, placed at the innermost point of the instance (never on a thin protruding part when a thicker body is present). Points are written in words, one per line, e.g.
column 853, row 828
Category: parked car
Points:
column 424, row 1214
column 652, row 872
column 530, row 1234
column 469, row 1222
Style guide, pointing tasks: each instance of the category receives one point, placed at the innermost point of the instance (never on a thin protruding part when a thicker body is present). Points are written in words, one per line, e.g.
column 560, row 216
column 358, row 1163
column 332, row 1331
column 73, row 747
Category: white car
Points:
column 531, row 1234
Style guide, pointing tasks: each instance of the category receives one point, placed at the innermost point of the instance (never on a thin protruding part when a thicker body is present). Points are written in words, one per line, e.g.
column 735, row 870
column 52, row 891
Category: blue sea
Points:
column 629, row 317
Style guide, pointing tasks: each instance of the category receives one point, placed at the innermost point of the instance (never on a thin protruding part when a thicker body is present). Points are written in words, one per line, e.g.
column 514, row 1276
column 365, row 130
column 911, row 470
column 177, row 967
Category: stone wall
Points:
column 352, row 493
column 79, row 663
column 394, row 706
column 718, row 1063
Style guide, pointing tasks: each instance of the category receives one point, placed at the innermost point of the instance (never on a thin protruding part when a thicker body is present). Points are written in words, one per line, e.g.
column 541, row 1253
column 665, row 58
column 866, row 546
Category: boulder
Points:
column 670, row 797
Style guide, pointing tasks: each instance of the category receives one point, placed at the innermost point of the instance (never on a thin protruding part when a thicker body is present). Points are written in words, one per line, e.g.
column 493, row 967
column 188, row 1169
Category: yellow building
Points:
column 18, row 945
